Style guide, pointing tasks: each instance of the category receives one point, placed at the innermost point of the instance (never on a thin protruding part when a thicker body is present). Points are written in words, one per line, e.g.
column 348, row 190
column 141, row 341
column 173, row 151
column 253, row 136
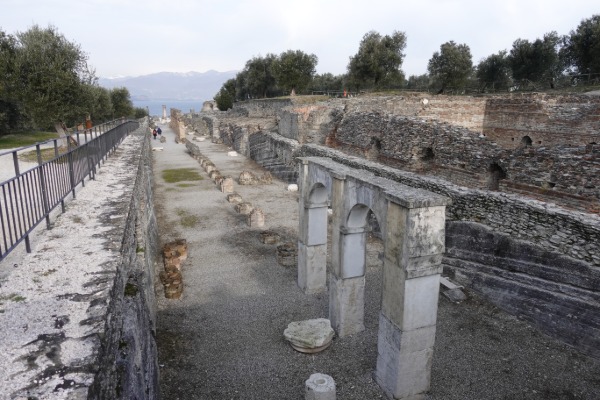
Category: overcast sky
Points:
column 138, row 37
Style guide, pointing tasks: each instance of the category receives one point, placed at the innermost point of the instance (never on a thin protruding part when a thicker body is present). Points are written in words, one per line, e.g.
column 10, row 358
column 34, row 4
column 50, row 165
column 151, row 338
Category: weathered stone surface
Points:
column 227, row 185
column 309, row 336
column 234, row 198
column 287, row 254
column 244, row 208
column 256, row 218
column 247, row 178
column 269, row 237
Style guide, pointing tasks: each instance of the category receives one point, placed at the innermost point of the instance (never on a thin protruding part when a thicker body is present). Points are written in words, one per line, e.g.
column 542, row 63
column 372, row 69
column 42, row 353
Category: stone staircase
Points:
column 262, row 153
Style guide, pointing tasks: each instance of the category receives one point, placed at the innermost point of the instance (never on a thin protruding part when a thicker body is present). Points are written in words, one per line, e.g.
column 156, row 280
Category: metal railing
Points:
column 29, row 197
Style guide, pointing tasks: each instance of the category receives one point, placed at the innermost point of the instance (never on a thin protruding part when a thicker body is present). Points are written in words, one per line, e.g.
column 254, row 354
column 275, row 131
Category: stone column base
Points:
column 347, row 304
column 404, row 360
column 312, row 268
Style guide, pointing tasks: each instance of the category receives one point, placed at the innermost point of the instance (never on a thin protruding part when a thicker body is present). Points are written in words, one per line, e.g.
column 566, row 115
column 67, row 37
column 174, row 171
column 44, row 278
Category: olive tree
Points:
column 10, row 115
column 378, row 60
column 494, row 72
column 451, row 67
column 294, row 70
column 121, row 102
column 51, row 74
column 536, row 61
column 259, row 79
column 226, row 95
column 582, row 46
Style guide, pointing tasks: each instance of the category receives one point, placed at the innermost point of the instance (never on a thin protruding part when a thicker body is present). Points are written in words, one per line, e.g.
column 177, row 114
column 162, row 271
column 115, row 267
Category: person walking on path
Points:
column 154, row 132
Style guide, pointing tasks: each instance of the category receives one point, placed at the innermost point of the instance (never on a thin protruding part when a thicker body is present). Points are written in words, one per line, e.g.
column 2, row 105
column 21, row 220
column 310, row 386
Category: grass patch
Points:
column 185, row 185
column 186, row 219
column 131, row 290
column 25, row 139
column 13, row 297
column 181, row 174
column 47, row 154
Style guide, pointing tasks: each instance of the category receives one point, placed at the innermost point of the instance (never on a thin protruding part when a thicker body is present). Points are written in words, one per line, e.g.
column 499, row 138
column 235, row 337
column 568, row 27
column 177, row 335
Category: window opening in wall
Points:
column 428, row 154
column 373, row 152
column 513, row 139
column 526, row 141
column 539, row 142
column 495, row 174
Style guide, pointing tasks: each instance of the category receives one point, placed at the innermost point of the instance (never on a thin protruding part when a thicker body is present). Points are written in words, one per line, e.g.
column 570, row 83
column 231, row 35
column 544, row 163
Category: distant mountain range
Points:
column 199, row 86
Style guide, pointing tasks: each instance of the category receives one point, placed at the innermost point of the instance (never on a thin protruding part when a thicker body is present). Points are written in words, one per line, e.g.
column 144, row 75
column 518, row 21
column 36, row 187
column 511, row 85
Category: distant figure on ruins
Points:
column 158, row 130
column 154, row 133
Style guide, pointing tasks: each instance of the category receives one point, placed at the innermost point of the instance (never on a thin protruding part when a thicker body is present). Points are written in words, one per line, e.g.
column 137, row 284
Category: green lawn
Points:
column 25, row 139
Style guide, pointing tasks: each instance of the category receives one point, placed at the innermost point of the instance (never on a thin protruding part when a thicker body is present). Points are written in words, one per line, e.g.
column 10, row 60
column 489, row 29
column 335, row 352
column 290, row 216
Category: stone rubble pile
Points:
column 173, row 254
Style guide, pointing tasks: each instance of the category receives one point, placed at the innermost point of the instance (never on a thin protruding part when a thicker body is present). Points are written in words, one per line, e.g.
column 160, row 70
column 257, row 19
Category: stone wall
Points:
column 264, row 108
column 566, row 175
column 557, row 294
column 177, row 124
column 543, row 120
column 128, row 358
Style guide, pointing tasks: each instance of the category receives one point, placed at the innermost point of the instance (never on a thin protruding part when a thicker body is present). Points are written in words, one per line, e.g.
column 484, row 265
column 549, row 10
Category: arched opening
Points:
column 428, row 155
column 526, row 141
column 374, row 149
column 318, row 194
column 362, row 258
column 495, row 174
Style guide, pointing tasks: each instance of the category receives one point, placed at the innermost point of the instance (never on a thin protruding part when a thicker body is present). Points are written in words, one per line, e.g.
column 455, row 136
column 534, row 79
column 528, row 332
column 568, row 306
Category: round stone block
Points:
column 320, row 387
column 310, row 336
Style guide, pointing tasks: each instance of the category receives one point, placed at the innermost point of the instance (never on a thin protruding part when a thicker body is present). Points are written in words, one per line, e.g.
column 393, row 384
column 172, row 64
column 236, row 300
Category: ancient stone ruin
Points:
column 174, row 253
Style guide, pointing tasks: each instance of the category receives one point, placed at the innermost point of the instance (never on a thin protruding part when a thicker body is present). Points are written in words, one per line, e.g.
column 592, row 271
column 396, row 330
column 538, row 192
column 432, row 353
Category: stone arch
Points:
column 495, row 174
column 318, row 194
column 413, row 220
column 357, row 218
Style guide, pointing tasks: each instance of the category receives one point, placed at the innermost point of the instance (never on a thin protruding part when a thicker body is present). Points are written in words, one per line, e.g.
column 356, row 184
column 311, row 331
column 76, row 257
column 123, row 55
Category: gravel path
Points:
column 223, row 339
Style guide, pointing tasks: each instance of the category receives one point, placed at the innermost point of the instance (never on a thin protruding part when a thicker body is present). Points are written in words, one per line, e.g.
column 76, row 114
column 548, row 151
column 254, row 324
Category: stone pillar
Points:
column 347, row 285
column 414, row 244
column 312, row 238
column 348, row 260
column 164, row 114
column 312, row 248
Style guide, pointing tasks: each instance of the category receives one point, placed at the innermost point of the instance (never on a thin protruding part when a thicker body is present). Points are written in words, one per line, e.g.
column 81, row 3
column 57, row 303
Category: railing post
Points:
column 16, row 162
column 43, row 188
column 71, row 172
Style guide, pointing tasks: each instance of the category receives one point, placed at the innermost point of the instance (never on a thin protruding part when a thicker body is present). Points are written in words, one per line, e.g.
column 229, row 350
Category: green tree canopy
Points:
column 258, row 77
column 294, row 69
column 582, row 46
column 121, row 103
column 10, row 116
column 536, row 61
column 418, row 82
column 378, row 60
column 494, row 72
column 327, row 81
column 451, row 66
column 102, row 108
column 226, row 95
column 51, row 73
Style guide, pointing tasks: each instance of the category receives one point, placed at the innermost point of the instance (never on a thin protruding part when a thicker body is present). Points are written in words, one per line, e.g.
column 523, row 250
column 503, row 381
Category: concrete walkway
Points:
column 223, row 339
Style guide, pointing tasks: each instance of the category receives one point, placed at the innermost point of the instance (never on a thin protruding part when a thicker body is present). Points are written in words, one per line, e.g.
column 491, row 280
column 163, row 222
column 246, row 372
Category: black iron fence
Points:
column 30, row 196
